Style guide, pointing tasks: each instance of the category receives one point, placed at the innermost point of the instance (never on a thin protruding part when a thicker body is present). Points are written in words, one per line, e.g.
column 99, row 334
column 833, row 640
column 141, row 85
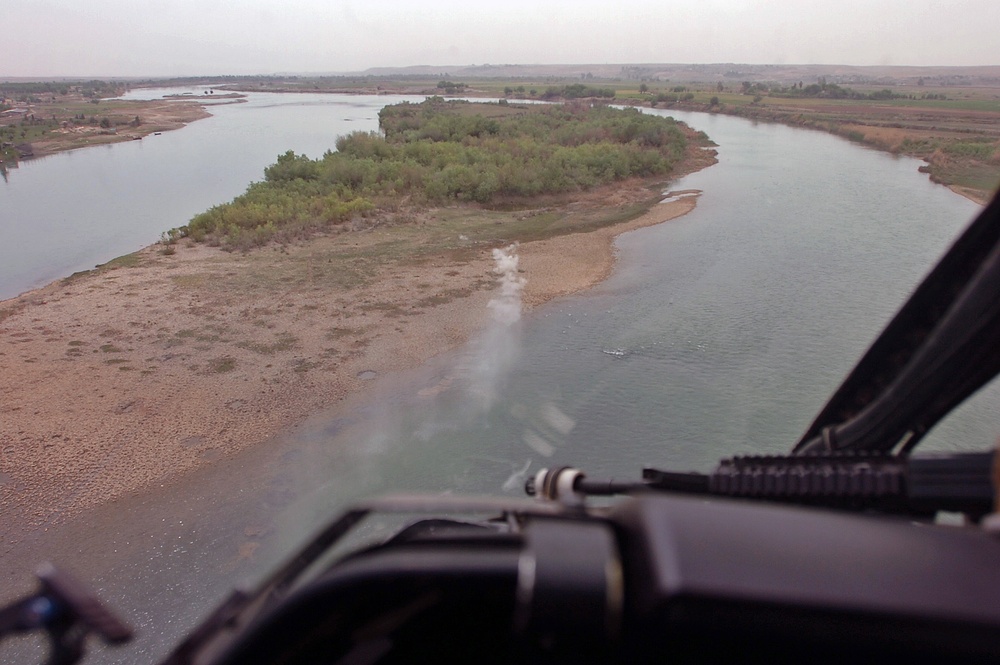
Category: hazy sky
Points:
column 190, row 37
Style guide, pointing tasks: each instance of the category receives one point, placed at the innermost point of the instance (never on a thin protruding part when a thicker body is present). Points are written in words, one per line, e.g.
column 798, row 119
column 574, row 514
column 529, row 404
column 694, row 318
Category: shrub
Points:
column 440, row 151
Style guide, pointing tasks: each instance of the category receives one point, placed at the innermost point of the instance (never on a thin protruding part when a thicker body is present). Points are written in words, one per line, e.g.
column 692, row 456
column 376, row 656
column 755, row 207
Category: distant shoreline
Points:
column 947, row 134
column 927, row 132
column 71, row 124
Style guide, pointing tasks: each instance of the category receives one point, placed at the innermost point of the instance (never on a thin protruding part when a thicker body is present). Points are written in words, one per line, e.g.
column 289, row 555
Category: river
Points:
column 73, row 210
column 720, row 333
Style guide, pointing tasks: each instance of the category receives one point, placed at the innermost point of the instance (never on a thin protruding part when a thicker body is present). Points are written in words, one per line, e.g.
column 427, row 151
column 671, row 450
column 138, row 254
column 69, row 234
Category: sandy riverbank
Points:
column 156, row 116
column 128, row 376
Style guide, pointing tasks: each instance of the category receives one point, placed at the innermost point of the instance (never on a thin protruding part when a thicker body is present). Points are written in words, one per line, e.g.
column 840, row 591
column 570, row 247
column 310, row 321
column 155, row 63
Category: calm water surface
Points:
column 722, row 332
column 73, row 210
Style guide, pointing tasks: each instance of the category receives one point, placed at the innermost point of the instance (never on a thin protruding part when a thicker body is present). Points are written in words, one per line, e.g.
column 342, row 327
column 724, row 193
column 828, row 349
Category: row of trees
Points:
column 438, row 152
column 32, row 91
column 451, row 88
column 577, row 91
column 829, row 91
column 571, row 91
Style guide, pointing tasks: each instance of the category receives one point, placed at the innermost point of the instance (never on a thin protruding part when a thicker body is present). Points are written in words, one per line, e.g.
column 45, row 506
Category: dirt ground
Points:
column 161, row 363
column 155, row 115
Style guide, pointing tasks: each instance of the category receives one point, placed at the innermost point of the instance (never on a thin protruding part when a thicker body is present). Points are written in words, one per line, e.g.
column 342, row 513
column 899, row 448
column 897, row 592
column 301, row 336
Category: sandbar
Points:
column 130, row 376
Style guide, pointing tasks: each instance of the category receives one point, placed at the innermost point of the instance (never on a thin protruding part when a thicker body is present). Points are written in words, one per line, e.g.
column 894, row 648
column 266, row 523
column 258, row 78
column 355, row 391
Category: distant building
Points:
column 14, row 113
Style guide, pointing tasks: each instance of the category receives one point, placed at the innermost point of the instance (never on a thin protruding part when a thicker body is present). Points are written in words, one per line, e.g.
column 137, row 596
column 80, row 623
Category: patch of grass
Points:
column 284, row 341
column 7, row 312
column 990, row 105
column 115, row 361
column 221, row 365
column 110, row 348
column 77, row 342
column 977, row 176
column 448, row 295
column 302, row 365
column 79, row 274
column 387, row 308
column 340, row 333
column 127, row 261
column 195, row 281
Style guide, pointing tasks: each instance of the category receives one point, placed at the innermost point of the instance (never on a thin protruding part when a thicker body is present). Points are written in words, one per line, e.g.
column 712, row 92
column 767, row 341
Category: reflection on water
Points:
column 722, row 332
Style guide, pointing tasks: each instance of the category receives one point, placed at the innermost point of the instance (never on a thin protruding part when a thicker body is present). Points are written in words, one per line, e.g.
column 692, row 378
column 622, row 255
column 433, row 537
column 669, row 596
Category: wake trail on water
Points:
column 443, row 422
column 477, row 379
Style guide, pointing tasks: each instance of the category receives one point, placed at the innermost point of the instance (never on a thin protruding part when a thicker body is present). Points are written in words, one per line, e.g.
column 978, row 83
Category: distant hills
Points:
column 885, row 75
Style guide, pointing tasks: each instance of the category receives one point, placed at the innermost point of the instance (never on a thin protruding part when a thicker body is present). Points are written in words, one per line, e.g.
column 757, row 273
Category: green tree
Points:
column 438, row 151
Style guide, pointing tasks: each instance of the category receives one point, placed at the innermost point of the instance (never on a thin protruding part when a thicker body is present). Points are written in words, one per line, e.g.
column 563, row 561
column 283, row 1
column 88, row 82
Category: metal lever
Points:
column 68, row 611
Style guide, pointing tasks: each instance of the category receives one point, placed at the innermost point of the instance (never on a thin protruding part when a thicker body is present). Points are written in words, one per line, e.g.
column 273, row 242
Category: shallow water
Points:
column 720, row 333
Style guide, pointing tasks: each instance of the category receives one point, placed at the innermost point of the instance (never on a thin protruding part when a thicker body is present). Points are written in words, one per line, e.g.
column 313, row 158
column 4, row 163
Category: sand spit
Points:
column 128, row 376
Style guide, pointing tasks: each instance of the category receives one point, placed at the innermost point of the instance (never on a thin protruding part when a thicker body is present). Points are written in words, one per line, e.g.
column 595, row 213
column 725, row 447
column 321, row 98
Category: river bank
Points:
column 953, row 129
column 49, row 125
column 957, row 140
column 166, row 361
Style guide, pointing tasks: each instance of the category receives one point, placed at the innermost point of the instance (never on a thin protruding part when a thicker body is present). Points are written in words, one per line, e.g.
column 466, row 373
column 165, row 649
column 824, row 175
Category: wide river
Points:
column 720, row 333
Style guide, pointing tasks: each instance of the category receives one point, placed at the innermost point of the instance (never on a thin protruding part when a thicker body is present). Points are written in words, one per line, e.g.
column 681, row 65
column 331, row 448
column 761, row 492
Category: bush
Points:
column 440, row 151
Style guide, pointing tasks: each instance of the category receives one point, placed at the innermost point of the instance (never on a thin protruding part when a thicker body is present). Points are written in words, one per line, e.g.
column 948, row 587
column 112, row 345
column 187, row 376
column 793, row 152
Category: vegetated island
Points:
column 371, row 259
column 42, row 118
column 947, row 116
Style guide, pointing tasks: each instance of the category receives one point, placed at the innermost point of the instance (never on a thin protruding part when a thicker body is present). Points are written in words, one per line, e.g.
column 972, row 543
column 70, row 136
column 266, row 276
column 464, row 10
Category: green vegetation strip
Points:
column 438, row 152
